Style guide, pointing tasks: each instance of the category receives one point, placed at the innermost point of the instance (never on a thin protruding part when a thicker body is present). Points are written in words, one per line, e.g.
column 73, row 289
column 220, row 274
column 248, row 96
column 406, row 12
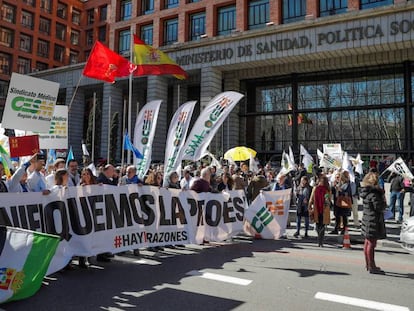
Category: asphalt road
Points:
column 292, row 274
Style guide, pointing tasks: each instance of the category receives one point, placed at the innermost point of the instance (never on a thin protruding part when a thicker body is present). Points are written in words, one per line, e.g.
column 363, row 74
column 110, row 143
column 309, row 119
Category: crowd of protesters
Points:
column 315, row 195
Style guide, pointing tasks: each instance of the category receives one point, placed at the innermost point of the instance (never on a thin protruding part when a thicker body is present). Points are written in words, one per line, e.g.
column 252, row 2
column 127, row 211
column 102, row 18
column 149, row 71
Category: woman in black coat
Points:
column 373, row 225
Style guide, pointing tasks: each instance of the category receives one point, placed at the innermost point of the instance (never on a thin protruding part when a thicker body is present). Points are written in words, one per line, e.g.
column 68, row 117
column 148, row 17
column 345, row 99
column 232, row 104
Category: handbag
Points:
column 343, row 201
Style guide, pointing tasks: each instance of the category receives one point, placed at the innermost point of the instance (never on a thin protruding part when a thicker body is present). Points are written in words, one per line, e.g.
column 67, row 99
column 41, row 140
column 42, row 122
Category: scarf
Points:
column 320, row 198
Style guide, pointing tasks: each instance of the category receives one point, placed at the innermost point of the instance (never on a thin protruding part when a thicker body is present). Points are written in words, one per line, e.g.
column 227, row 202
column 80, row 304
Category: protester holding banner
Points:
column 18, row 181
column 36, row 180
column 203, row 183
column 130, row 177
column 107, row 176
column 154, row 178
column 319, row 207
column 226, row 183
column 373, row 226
column 87, row 177
column 58, row 164
column 186, row 180
column 257, row 183
column 74, row 177
column 173, row 180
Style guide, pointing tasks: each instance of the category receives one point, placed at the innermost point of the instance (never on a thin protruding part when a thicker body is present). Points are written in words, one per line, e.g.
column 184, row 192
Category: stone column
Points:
column 158, row 89
column 211, row 85
column 111, row 96
column 75, row 121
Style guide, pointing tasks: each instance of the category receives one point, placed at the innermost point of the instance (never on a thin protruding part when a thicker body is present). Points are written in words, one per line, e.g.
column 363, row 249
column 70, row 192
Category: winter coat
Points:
column 302, row 199
column 374, row 204
column 326, row 209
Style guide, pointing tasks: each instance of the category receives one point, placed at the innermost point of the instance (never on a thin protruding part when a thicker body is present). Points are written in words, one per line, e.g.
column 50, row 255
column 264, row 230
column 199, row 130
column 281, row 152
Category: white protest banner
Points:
column 307, row 159
column 176, row 138
column 268, row 214
column 30, row 103
column 57, row 137
column 207, row 124
column 334, row 151
column 399, row 167
column 101, row 218
column 144, row 133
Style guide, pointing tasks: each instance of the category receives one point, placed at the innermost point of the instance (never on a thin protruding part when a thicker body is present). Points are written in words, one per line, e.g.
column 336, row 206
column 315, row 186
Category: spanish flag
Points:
column 151, row 61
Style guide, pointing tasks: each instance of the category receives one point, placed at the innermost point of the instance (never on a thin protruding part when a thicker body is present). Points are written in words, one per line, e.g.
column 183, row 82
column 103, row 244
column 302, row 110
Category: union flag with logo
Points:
column 106, row 65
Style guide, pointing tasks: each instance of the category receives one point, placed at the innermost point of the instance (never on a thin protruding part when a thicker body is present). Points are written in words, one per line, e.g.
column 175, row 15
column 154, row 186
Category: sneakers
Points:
column 306, row 235
column 296, row 234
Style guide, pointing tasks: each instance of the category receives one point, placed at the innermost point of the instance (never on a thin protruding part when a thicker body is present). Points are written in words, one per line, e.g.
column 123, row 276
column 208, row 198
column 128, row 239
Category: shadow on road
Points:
column 304, row 273
column 127, row 283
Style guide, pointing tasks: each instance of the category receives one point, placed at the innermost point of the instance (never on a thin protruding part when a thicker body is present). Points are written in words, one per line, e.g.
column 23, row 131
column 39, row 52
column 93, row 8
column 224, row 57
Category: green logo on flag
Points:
column 261, row 219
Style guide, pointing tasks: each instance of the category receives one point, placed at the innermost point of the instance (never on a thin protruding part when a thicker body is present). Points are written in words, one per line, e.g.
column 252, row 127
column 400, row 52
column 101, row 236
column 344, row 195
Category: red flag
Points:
column 104, row 64
column 23, row 145
column 151, row 61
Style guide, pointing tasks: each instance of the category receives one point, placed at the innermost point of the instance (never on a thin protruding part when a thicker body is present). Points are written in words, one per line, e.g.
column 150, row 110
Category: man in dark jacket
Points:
column 397, row 192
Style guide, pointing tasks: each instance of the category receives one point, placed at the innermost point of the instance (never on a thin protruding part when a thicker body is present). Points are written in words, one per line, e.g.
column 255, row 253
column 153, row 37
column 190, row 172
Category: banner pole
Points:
column 93, row 127
column 130, row 94
column 109, row 131
column 74, row 93
column 123, row 137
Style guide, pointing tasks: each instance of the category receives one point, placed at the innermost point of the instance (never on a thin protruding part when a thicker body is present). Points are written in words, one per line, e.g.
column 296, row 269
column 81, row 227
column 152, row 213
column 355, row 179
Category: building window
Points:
column 23, row 65
column 41, row 66
column 226, row 20
column 332, row 7
column 59, row 53
column 169, row 4
column 102, row 34
column 5, row 63
column 193, row 1
column 8, row 13
column 30, row 2
column 197, row 25
column 74, row 37
column 6, row 37
column 46, row 5
column 62, row 10
column 25, row 43
column 60, row 31
column 170, row 31
column 43, row 48
column 258, row 13
column 368, row 4
column 124, row 42
column 73, row 57
column 89, row 37
column 294, row 10
column 4, row 86
column 147, row 6
column 44, row 26
column 126, row 10
column 27, row 19
column 146, row 34
column 103, row 12
column 90, row 16
column 76, row 16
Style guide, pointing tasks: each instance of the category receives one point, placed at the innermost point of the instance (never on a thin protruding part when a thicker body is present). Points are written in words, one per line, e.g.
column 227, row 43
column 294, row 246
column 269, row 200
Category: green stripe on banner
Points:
column 37, row 262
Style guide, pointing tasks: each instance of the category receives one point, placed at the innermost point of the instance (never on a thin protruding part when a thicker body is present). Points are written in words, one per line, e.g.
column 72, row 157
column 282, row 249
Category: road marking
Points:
column 369, row 304
column 219, row 277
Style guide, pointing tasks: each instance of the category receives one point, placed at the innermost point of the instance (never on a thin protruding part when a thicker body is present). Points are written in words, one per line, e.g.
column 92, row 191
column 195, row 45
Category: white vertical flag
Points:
column 347, row 166
column 291, row 156
column 144, row 133
column 207, row 124
column 307, row 159
column 176, row 137
column 399, row 167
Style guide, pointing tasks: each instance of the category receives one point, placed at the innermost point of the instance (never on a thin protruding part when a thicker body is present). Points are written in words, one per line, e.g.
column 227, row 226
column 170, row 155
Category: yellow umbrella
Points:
column 239, row 153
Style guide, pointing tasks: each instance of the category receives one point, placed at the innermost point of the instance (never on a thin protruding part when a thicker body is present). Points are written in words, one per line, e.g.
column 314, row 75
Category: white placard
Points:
column 30, row 103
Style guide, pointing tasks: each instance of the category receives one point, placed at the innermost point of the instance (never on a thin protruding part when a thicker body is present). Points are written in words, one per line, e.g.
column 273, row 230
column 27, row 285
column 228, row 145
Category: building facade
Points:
column 312, row 72
column 36, row 35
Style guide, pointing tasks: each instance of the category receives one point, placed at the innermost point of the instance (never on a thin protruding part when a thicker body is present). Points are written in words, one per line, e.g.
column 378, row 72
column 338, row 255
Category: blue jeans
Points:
column 298, row 223
column 394, row 196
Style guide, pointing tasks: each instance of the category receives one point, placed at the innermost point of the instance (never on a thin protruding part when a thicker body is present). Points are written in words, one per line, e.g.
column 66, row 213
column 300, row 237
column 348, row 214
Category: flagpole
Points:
column 130, row 93
column 93, row 127
column 74, row 93
column 123, row 140
column 109, row 131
